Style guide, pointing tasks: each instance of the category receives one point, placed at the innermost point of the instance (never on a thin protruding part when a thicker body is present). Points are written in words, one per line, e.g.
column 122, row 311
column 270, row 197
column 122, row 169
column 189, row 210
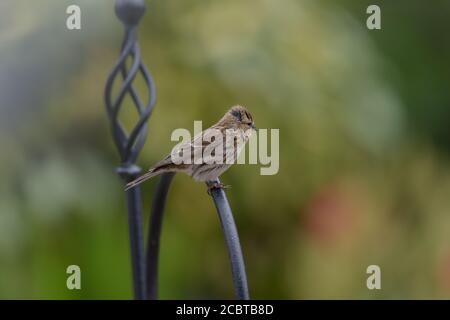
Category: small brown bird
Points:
column 237, row 122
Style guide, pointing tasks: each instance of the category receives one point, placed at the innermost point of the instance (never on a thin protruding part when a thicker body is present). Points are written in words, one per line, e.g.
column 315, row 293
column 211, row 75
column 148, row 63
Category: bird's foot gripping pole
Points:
column 216, row 185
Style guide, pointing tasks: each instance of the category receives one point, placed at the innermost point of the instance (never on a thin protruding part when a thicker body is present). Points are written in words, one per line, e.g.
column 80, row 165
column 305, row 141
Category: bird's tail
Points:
column 144, row 177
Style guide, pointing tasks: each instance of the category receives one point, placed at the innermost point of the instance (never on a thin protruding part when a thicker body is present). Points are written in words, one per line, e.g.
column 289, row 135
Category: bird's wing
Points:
column 194, row 146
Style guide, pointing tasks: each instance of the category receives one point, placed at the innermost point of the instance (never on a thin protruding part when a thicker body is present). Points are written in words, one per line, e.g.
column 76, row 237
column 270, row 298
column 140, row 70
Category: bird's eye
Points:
column 237, row 115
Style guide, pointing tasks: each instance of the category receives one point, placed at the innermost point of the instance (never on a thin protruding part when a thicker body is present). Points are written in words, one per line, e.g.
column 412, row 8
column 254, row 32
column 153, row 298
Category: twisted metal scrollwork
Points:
column 129, row 146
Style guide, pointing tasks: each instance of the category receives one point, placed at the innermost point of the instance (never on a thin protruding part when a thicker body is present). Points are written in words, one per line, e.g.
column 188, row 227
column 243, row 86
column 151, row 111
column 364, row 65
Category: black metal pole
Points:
column 229, row 229
column 136, row 231
column 232, row 240
column 130, row 144
column 153, row 245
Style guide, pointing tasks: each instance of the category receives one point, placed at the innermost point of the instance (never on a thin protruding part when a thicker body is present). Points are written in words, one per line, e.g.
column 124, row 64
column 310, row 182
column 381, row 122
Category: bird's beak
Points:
column 254, row 127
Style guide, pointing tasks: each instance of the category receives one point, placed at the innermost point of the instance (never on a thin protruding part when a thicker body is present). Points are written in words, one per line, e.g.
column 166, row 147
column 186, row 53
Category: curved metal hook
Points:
column 153, row 244
column 228, row 226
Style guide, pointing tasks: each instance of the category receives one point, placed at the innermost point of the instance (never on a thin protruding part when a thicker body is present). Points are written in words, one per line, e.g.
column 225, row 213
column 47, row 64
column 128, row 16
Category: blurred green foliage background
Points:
column 364, row 148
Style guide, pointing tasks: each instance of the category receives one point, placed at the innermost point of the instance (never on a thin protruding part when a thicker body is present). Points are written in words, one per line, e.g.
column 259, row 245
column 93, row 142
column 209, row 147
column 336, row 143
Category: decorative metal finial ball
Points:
column 130, row 11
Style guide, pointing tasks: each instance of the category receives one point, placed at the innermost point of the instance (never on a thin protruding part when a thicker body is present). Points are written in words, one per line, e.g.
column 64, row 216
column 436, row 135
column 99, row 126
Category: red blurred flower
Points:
column 444, row 272
column 331, row 214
